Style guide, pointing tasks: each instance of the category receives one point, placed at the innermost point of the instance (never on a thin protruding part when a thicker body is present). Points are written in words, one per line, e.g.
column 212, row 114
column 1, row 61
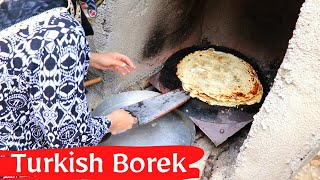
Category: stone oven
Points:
column 285, row 134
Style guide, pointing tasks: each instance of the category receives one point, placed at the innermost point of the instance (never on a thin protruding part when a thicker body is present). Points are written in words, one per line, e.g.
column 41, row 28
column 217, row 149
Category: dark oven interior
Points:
column 256, row 31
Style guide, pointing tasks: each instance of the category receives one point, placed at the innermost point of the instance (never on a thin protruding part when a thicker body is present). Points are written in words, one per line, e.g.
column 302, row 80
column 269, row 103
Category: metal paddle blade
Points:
column 152, row 108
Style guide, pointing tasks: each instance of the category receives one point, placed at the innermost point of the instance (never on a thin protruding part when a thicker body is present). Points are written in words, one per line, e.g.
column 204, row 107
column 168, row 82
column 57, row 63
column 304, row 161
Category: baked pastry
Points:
column 219, row 78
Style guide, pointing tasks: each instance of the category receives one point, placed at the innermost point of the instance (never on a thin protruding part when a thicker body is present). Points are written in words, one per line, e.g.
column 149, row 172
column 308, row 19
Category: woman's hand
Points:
column 121, row 121
column 112, row 60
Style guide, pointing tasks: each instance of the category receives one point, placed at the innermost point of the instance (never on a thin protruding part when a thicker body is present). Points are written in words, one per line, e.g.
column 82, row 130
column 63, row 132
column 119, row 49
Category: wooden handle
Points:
column 92, row 82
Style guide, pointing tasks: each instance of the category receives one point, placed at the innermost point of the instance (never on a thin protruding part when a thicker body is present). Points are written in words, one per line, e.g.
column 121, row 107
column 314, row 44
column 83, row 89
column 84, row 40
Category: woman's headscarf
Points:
column 91, row 6
column 15, row 11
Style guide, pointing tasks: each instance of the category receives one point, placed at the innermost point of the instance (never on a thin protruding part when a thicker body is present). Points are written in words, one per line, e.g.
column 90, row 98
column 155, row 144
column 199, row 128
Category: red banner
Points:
column 103, row 163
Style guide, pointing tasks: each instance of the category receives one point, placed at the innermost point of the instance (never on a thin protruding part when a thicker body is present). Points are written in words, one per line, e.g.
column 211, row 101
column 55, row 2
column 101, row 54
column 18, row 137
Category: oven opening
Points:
column 256, row 31
column 261, row 31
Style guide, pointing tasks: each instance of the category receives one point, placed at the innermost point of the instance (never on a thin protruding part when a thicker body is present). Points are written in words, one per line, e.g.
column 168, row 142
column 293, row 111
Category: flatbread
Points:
column 219, row 78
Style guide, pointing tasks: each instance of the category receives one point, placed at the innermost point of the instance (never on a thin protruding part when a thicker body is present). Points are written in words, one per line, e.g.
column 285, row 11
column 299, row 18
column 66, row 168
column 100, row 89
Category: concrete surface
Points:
column 286, row 132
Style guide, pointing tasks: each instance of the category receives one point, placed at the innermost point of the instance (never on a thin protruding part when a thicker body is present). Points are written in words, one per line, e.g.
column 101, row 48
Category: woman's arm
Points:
column 112, row 60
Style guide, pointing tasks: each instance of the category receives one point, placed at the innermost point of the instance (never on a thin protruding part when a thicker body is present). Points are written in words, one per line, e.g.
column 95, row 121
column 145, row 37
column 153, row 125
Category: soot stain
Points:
column 155, row 43
column 166, row 34
column 106, row 27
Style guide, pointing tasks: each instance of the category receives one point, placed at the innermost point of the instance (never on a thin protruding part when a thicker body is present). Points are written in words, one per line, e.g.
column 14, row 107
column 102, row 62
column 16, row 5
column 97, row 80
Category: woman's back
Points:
column 43, row 63
column 14, row 11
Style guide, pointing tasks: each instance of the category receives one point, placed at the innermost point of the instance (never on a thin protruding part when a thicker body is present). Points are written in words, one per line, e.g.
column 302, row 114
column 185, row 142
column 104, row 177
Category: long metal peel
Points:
column 152, row 108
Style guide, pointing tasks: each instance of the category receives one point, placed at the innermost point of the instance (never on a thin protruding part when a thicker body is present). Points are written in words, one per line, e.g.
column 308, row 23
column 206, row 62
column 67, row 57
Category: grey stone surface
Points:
column 218, row 162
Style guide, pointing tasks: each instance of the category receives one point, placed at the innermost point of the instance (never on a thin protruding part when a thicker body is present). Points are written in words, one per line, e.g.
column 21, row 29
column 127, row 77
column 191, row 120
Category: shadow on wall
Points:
column 173, row 25
column 269, row 24
column 260, row 29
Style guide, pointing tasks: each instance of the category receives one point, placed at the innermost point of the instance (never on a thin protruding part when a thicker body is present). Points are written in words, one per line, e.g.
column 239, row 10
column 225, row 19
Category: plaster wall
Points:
column 146, row 31
column 286, row 132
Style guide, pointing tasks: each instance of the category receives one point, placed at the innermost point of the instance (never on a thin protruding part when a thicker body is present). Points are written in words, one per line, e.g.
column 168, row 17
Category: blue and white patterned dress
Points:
column 43, row 64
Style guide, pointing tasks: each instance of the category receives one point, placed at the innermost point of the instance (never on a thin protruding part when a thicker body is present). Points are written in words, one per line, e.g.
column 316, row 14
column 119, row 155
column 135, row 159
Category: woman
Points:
column 44, row 58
